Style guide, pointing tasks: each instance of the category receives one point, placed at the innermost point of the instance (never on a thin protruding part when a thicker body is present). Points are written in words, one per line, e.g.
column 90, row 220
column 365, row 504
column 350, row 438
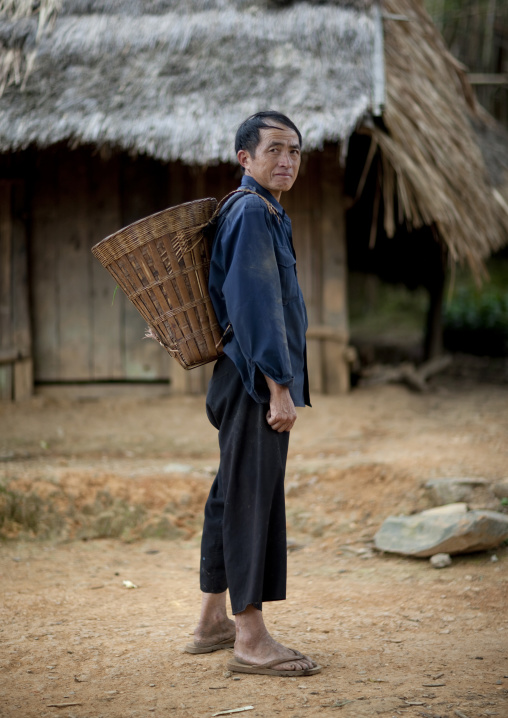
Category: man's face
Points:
column 276, row 161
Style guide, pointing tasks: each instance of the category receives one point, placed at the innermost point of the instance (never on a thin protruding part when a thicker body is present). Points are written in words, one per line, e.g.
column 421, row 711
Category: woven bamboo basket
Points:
column 162, row 264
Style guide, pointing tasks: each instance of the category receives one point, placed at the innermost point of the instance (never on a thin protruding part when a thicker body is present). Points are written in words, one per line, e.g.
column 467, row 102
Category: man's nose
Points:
column 285, row 159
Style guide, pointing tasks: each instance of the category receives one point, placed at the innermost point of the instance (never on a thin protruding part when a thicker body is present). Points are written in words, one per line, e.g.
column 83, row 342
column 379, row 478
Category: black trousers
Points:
column 243, row 547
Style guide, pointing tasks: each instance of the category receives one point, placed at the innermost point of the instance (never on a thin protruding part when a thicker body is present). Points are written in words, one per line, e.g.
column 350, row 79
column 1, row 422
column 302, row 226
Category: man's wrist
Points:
column 275, row 388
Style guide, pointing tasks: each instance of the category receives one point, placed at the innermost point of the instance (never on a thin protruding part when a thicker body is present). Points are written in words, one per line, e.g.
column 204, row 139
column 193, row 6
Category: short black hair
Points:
column 248, row 136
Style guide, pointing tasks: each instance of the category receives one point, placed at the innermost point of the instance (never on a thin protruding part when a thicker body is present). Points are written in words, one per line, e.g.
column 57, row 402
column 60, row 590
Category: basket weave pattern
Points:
column 162, row 264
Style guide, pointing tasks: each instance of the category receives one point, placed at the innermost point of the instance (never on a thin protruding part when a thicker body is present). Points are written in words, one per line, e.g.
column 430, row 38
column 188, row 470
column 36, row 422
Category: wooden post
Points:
column 334, row 272
column 16, row 370
column 21, row 320
column 306, row 212
column 6, row 378
column 433, row 345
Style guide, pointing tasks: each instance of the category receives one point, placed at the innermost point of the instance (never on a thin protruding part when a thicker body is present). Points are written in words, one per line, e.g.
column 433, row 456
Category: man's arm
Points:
column 252, row 293
column 282, row 413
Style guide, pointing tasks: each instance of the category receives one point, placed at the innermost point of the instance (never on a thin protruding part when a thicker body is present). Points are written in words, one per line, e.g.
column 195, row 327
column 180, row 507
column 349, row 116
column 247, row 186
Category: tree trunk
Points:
column 433, row 346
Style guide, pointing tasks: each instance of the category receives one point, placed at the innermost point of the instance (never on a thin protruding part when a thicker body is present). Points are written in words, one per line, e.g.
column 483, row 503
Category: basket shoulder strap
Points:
column 225, row 199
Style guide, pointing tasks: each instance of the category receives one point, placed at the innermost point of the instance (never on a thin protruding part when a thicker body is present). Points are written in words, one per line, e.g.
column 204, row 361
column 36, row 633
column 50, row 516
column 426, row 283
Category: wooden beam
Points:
column 483, row 78
column 8, row 355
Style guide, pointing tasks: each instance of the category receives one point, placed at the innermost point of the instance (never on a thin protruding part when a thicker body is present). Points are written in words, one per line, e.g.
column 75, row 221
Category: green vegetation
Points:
column 476, row 318
column 391, row 311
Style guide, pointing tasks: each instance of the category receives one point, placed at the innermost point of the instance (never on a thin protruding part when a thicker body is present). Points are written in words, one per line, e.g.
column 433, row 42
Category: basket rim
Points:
column 151, row 217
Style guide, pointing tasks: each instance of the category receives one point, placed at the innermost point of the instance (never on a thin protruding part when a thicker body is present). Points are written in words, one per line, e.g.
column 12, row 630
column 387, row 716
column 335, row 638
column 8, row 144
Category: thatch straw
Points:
column 17, row 63
column 174, row 79
column 433, row 170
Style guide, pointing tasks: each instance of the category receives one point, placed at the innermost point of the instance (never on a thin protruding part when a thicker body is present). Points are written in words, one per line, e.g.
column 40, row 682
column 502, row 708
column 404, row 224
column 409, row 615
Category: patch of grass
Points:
column 28, row 513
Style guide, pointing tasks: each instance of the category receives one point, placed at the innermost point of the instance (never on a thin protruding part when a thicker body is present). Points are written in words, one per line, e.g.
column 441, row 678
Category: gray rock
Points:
column 447, row 529
column 441, row 560
column 477, row 493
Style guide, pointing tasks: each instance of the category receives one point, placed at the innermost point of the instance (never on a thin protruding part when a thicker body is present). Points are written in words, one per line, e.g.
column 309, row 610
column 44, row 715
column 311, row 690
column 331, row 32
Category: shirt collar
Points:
column 251, row 183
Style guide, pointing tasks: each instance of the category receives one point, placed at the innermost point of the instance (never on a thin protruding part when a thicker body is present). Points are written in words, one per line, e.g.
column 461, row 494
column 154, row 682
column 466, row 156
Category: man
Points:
column 251, row 401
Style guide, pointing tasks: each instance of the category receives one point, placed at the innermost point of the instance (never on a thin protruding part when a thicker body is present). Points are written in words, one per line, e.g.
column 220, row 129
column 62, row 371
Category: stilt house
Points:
column 111, row 110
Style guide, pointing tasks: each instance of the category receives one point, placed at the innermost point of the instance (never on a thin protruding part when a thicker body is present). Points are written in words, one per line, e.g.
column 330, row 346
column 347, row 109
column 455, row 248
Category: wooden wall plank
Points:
column 44, row 250
column 104, row 218
column 143, row 191
column 72, row 273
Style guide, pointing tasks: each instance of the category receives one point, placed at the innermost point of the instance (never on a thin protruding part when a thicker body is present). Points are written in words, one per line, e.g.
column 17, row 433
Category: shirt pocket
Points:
column 286, row 264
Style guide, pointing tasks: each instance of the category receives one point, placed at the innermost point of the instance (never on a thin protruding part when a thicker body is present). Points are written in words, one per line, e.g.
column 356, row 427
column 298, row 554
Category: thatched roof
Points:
column 432, row 159
column 173, row 79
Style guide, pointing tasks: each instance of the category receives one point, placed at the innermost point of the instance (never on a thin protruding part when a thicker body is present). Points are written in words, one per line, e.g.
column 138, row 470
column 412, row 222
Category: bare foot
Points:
column 207, row 634
column 214, row 626
column 255, row 646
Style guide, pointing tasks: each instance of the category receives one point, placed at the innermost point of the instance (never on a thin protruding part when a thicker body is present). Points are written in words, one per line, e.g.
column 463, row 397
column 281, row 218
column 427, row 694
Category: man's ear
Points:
column 243, row 158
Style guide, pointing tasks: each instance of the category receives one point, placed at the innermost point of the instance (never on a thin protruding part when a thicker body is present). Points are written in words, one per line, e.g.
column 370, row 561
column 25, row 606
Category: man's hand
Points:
column 282, row 413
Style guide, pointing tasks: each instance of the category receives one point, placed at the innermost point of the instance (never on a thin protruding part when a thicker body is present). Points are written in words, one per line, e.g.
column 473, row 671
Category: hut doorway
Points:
column 410, row 264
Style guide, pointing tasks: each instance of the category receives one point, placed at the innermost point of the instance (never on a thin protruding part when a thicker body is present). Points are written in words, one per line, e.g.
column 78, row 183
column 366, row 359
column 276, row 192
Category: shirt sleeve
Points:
column 252, row 292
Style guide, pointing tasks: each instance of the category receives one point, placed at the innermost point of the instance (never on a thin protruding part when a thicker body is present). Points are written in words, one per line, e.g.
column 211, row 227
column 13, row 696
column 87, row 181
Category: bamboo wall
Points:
column 80, row 331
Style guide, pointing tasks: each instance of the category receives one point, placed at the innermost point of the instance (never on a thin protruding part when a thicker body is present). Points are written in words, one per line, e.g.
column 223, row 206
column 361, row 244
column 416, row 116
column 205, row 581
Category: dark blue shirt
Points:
column 254, row 287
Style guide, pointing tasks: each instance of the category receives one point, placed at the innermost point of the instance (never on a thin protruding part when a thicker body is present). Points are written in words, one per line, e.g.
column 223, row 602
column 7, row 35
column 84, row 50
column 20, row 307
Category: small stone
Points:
column 441, row 560
column 237, row 678
column 177, row 468
column 494, row 558
column 227, row 674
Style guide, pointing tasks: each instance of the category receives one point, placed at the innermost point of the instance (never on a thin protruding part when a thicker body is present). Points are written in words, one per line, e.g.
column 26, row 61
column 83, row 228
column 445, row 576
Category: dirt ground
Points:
column 95, row 493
